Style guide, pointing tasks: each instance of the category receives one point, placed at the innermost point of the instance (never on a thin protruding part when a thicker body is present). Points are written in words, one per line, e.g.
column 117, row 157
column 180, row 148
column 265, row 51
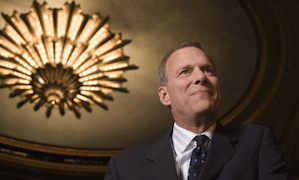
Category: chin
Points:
column 206, row 109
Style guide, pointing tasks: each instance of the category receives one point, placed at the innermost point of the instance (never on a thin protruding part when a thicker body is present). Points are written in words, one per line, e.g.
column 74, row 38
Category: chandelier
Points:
column 61, row 58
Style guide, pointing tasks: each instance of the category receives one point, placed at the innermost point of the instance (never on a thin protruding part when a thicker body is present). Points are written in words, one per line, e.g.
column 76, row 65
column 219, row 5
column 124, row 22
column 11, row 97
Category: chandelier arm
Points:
column 86, row 105
column 61, row 108
column 77, row 113
column 100, row 25
column 49, row 111
column 83, row 24
column 119, row 59
column 102, row 105
column 8, row 38
column 7, row 49
column 9, row 21
column 24, row 17
column 75, row 108
column 26, row 48
column 42, row 64
column 17, row 92
column 105, row 96
column 34, row 97
column 39, row 103
column 130, row 67
column 120, row 45
column 24, row 101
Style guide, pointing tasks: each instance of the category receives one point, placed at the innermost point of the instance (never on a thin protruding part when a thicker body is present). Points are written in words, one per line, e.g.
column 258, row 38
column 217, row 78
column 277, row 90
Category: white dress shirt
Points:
column 183, row 147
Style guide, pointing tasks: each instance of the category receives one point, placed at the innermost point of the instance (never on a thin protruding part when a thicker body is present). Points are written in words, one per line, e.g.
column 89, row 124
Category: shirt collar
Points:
column 182, row 137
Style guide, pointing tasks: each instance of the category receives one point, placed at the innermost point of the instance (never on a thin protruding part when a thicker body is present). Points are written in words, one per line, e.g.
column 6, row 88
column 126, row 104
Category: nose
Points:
column 200, row 77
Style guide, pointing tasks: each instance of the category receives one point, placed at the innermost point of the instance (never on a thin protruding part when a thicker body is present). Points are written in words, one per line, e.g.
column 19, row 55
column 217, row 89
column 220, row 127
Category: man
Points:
column 197, row 146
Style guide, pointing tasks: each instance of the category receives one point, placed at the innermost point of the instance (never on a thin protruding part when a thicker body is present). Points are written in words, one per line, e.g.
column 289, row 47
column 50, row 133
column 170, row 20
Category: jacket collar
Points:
column 161, row 154
column 220, row 152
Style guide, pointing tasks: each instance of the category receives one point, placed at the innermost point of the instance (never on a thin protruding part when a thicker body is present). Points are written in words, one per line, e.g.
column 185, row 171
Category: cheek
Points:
column 179, row 87
column 215, row 85
column 218, row 93
column 178, row 95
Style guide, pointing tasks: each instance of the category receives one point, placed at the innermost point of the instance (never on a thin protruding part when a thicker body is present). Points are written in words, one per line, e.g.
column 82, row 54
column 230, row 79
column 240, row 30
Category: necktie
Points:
column 198, row 157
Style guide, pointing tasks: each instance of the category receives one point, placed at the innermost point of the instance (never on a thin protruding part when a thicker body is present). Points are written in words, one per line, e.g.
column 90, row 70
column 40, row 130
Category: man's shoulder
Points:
column 143, row 150
column 253, row 132
column 133, row 155
column 137, row 149
column 250, row 128
column 244, row 130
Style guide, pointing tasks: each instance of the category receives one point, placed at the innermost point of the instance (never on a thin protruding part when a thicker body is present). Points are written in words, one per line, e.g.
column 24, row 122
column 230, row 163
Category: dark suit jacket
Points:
column 243, row 153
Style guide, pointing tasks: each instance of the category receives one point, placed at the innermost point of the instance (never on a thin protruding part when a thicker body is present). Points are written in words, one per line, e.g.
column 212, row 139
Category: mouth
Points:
column 202, row 93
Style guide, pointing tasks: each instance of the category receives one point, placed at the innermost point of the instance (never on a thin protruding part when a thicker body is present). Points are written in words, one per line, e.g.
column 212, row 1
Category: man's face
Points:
column 192, row 86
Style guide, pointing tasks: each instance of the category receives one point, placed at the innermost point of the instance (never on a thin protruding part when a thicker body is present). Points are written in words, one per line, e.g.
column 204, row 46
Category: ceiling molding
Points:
column 56, row 150
column 259, row 99
column 261, row 36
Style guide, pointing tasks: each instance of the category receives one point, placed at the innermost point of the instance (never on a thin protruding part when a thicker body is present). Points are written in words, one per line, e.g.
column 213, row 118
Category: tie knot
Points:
column 201, row 139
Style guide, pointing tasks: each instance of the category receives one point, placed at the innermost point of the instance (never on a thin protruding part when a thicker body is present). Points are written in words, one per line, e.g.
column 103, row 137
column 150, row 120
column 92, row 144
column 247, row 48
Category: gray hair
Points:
column 162, row 72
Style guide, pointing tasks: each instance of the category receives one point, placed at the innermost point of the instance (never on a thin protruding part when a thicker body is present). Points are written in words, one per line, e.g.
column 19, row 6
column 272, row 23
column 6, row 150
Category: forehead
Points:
column 188, row 56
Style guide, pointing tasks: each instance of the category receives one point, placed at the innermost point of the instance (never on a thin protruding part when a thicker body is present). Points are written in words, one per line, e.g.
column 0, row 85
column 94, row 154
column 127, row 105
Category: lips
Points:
column 202, row 92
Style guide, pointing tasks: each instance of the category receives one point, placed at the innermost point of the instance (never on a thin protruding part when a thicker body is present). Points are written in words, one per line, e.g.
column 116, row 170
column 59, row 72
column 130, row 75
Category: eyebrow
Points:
column 202, row 65
column 208, row 65
column 189, row 66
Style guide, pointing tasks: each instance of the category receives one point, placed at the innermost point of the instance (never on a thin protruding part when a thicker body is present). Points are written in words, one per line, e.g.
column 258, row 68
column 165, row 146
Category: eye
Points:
column 208, row 70
column 184, row 72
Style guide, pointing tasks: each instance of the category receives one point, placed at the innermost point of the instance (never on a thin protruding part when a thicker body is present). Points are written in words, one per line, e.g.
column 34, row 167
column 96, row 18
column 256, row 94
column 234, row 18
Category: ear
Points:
column 164, row 95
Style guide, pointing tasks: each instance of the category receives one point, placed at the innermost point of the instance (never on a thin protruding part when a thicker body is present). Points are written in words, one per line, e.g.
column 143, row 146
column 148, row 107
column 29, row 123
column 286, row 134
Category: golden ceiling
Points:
column 255, row 48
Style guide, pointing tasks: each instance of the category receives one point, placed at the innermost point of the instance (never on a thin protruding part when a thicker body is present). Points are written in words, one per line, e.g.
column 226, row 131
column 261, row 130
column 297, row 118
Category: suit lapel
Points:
column 220, row 152
column 161, row 155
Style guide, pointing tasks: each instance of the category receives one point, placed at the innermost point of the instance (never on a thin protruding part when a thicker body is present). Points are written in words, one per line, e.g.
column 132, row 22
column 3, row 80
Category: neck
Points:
column 197, row 125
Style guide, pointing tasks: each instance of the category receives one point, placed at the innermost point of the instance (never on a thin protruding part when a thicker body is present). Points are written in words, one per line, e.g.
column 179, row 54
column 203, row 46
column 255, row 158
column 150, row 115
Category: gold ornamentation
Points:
column 61, row 58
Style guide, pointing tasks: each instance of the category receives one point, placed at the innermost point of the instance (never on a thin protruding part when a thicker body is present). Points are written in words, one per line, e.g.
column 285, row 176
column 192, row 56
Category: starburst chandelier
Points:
column 61, row 58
